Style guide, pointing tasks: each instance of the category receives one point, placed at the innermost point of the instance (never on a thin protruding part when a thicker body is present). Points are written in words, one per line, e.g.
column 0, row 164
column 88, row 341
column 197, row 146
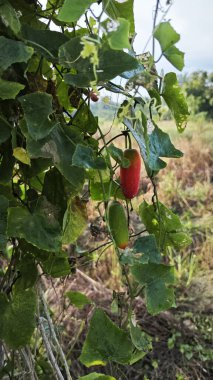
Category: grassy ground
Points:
column 186, row 186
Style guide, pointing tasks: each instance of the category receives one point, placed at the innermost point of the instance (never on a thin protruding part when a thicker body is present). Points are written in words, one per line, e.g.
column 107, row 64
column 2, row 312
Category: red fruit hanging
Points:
column 93, row 96
column 130, row 177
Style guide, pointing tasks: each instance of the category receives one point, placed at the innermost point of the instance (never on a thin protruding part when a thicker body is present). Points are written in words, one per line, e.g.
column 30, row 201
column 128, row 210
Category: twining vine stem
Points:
column 60, row 351
column 52, row 359
column 154, row 24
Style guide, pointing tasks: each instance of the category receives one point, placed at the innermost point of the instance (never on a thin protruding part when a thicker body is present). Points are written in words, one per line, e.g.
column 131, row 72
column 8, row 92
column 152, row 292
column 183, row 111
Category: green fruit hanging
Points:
column 118, row 224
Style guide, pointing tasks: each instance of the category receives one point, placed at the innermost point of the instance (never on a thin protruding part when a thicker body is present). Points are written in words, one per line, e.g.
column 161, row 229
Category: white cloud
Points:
column 192, row 19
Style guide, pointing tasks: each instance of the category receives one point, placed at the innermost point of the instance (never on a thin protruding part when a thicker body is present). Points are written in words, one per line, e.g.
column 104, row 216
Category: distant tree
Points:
column 199, row 89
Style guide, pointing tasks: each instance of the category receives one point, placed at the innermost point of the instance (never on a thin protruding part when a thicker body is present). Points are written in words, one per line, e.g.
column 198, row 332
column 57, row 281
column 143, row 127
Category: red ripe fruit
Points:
column 130, row 177
column 93, row 96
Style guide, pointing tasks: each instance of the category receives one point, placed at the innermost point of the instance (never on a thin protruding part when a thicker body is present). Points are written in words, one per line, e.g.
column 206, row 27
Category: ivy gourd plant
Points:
column 55, row 60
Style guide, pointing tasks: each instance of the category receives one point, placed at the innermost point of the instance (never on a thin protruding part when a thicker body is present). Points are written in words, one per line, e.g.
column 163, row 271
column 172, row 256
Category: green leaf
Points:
column 166, row 226
column 144, row 251
column 12, row 51
column 78, row 299
column 152, row 145
column 156, row 278
column 105, row 341
column 118, row 155
column 75, row 220
column 54, row 189
column 6, row 191
column 140, row 339
column 166, row 35
column 9, row 16
column 28, row 271
column 60, row 148
column 7, row 163
column 37, row 108
column 179, row 239
column 19, row 317
column 56, row 3
column 63, row 94
column 119, row 39
column 5, row 128
column 55, row 265
column 148, row 247
column 96, row 376
column 21, row 155
column 175, row 100
column 3, row 308
column 160, row 145
column 136, row 74
column 111, row 63
column 46, row 208
column 72, row 10
column 4, row 204
column 39, row 229
column 175, row 57
column 105, row 190
column 46, row 42
column 26, row 11
column 136, row 356
column 117, row 89
column 36, row 172
column 8, row 89
column 84, row 158
column 129, row 257
column 85, row 120
column 37, row 81
column 123, row 10
column 154, row 94
column 32, row 197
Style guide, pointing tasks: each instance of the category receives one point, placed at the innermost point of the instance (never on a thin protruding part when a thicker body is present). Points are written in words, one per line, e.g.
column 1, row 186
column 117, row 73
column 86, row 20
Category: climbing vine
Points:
column 55, row 60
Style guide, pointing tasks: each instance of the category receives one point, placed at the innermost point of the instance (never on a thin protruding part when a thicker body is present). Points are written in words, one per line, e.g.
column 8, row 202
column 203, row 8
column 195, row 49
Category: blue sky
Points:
column 193, row 19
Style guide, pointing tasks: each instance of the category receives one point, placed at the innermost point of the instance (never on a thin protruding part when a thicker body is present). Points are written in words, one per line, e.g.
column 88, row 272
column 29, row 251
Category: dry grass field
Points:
column 182, row 337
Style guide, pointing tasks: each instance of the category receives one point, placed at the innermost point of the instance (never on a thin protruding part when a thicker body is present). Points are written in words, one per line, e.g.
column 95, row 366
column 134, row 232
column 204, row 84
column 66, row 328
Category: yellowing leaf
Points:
column 175, row 100
column 75, row 220
column 21, row 155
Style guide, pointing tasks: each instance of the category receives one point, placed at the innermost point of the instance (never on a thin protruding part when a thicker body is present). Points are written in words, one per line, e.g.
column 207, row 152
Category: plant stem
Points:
column 100, row 246
column 113, row 138
column 52, row 359
column 61, row 353
column 138, row 233
column 154, row 24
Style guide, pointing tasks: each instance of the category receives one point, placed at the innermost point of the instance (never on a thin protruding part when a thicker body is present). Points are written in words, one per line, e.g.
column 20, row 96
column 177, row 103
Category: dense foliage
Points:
column 199, row 90
column 53, row 151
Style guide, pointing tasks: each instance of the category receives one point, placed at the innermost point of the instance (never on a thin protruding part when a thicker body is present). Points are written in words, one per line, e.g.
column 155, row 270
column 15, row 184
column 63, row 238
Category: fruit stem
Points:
column 127, row 210
column 129, row 141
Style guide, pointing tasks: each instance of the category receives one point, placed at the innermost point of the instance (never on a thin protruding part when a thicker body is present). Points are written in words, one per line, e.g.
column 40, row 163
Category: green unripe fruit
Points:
column 118, row 224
